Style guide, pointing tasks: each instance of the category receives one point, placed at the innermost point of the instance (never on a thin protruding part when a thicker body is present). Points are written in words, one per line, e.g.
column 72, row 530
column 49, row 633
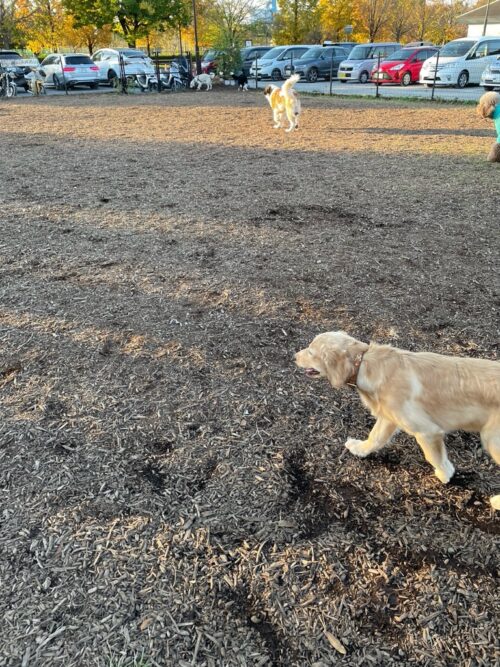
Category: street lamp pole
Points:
column 196, row 47
column 485, row 24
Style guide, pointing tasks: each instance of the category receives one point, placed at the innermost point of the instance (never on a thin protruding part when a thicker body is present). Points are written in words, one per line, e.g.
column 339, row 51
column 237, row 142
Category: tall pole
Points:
column 196, row 47
column 485, row 24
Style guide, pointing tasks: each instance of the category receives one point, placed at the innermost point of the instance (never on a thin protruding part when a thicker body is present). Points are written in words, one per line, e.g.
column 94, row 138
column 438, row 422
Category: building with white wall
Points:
column 474, row 19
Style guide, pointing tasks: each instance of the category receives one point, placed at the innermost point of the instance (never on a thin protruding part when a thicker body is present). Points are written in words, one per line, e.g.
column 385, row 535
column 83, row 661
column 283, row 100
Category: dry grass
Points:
column 174, row 493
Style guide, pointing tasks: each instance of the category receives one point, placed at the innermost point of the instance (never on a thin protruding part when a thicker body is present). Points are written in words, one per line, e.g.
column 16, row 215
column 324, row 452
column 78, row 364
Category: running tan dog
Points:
column 424, row 394
column 284, row 103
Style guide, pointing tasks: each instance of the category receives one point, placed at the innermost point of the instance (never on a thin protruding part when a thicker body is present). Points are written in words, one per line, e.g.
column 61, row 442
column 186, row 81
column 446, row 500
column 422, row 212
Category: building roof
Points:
column 477, row 14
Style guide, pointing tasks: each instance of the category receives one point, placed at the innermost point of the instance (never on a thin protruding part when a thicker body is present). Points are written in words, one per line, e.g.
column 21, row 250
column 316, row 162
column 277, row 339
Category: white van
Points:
column 461, row 62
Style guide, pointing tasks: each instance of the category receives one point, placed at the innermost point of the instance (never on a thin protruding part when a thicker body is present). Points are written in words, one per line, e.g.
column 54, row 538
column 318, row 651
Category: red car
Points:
column 403, row 66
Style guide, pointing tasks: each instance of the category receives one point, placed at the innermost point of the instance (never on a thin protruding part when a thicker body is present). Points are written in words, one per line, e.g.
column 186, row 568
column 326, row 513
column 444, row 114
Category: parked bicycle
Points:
column 7, row 86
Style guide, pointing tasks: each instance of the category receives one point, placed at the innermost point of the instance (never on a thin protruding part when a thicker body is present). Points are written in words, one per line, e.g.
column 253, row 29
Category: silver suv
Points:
column 272, row 64
column 362, row 59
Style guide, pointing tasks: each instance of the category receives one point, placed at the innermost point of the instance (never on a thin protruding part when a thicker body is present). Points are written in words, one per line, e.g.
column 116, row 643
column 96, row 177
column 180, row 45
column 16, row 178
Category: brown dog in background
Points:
column 423, row 394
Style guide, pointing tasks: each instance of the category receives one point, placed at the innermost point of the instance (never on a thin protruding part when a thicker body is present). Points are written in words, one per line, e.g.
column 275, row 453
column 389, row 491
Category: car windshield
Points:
column 315, row 52
column 273, row 53
column 360, row 53
column 401, row 54
column 209, row 55
column 131, row 53
column 454, row 49
column 78, row 60
column 10, row 56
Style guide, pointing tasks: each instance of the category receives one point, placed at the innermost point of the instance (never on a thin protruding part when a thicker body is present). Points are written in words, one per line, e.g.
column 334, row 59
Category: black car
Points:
column 10, row 60
column 318, row 63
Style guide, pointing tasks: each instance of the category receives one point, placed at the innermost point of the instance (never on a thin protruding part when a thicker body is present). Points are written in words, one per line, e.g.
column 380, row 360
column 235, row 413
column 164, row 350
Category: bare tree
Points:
column 373, row 16
column 230, row 18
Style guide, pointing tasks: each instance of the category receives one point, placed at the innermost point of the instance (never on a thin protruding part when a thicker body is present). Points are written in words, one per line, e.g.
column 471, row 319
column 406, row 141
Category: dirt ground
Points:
column 173, row 491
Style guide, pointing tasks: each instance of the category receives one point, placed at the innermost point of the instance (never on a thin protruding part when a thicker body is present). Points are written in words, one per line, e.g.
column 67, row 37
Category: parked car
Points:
column 461, row 61
column 251, row 53
column 70, row 69
column 272, row 65
column 317, row 63
column 348, row 46
column 209, row 61
column 403, row 66
column 490, row 78
column 134, row 60
column 18, row 65
column 359, row 64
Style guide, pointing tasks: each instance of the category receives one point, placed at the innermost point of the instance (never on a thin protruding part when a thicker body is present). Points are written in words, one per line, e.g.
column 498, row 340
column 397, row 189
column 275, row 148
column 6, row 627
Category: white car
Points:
column 490, row 78
column 69, row 69
column 460, row 62
column 134, row 62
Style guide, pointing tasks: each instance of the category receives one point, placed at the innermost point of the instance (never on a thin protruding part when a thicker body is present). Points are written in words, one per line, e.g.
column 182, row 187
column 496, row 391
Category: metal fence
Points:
column 429, row 92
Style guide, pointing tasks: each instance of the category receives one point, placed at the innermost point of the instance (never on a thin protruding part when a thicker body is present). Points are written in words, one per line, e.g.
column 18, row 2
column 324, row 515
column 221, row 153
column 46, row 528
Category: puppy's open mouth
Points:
column 312, row 372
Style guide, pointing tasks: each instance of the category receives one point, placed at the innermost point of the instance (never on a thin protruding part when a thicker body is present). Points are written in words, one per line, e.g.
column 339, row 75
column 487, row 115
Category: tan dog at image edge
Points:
column 421, row 393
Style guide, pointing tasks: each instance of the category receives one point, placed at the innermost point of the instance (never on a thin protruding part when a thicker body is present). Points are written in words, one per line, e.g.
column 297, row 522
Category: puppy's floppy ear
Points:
column 267, row 90
column 338, row 364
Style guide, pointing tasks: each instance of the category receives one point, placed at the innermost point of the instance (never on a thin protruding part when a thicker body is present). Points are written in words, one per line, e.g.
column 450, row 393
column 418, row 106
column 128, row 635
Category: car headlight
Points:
column 396, row 68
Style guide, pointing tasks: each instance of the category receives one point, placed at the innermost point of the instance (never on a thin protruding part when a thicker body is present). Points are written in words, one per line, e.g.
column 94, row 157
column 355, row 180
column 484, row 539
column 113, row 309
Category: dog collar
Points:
column 352, row 380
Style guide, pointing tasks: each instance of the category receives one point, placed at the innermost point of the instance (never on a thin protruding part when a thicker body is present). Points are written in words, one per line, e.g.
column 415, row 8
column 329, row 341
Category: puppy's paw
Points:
column 357, row 447
column 445, row 473
column 495, row 502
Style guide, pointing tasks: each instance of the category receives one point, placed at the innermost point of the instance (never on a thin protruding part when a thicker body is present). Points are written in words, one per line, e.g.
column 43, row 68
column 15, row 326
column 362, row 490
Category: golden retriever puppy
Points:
column 489, row 107
column 284, row 103
column 423, row 394
column 487, row 103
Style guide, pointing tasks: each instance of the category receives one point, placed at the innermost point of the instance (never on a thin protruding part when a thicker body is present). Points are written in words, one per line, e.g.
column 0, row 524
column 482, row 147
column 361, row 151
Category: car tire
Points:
column 406, row 79
column 26, row 88
column 312, row 75
column 112, row 76
column 489, row 88
column 58, row 85
column 463, row 79
column 342, row 81
column 276, row 75
column 364, row 77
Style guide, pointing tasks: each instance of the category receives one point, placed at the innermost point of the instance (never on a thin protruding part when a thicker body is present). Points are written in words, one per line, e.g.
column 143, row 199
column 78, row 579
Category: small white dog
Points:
column 202, row 80
column 423, row 394
column 284, row 102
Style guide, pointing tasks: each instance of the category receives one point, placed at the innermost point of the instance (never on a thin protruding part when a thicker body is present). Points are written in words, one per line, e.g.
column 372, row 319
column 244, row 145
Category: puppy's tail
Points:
column 290, row 83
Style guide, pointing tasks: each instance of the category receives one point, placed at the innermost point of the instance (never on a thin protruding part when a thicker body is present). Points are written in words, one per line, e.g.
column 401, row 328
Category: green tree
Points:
column 138, row 18
column 334, row 16
column 297, row 22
